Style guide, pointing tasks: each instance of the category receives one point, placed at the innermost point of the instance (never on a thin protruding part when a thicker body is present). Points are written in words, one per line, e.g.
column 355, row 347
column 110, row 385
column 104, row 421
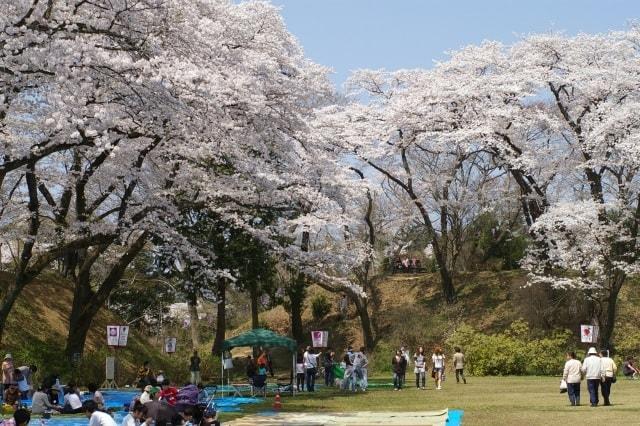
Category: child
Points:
column 299, row 373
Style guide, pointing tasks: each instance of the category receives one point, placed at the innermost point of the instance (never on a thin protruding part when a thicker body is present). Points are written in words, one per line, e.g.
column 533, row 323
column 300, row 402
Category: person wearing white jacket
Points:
column 591, row 368
column 573, row 376
column 608, row 369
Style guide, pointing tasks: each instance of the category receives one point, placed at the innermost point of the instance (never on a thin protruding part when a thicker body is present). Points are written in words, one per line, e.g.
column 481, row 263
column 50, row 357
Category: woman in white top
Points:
column 438, row 366
column 572, row 374
column 420, row 367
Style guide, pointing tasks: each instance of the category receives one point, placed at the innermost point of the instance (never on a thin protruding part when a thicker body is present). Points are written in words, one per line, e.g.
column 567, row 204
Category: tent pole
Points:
column 222, row 371
column 293, row 373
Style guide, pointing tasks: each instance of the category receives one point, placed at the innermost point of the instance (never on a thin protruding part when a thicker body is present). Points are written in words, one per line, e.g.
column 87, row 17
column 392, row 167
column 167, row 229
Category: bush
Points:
column 320, row 307
column 512, row 352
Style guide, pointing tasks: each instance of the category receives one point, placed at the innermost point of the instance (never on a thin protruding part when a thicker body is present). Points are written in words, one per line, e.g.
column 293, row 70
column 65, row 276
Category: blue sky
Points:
column 392, row 34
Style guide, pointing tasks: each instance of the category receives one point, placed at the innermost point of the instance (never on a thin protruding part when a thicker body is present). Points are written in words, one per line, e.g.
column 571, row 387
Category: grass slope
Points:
column 37, row 329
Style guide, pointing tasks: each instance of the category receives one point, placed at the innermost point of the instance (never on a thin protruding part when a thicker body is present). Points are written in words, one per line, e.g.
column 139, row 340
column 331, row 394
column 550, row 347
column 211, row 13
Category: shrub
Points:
column 512, row 352
column 320, row 307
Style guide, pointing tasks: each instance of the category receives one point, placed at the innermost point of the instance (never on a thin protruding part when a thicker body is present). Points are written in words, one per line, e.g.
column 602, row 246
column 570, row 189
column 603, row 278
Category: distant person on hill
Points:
column 629, row 369
column 194, row 368
column 572, row 374
column 458, row 364
column 420, row 367
column 161, row 379
column 300, row 372
column 438, row 366
column 343, row 305
column 399, row 366
column 592, row 370
column 608, row 371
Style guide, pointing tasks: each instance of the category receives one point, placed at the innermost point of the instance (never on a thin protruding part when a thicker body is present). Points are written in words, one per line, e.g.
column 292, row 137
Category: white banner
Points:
column 124, row 335
column 589, row 333
column 319, row 339
column 170, row 345
column 113, row 333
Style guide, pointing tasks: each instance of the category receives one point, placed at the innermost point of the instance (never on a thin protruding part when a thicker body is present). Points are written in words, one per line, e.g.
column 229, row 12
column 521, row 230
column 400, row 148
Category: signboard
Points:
column 117, row 335
column 170, row 345
column 113, row 331
column 589, row 333
column 124, row 335
column 110, row 368
column 319, row 339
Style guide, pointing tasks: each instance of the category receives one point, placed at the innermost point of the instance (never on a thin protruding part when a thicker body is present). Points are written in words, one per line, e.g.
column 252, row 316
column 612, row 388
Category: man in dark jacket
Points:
column 399, row 366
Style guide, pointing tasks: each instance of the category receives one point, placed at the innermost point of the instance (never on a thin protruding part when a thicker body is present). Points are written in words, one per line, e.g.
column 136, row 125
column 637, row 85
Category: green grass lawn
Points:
column 485, row 401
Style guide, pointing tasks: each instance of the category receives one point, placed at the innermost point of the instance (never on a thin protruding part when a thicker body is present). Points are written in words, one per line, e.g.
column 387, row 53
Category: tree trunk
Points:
column 194, row 320
column 87, row 303
column 297, row 291
column 221, row 324
column 365, row 320
column 447, row 285
column 255, row 323
column 607, row 323
column 11, row 295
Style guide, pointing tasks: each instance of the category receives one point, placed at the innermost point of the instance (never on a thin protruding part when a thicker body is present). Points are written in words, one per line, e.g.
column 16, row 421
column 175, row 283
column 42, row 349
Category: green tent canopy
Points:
column 260, row 337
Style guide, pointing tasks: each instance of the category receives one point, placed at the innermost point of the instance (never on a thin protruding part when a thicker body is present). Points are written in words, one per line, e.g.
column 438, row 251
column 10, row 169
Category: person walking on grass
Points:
column 399, row 366
column 592, row 370
column 572, row 375
column 438, row 366
column 327, row 363
column 405, row 354
column 458, row 364
column 608, row 369
column 420, row 368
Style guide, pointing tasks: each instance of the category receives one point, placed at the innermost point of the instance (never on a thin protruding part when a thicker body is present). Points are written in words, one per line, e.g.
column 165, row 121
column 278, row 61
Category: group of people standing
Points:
column 353, row 369
column 400, row 362
column 599, row 370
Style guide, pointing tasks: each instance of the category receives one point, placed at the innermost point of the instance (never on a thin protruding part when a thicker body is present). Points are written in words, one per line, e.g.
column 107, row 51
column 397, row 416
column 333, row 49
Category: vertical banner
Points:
column 123, row 336
column 319, row 339
column 589, row 333
column 113, row 333
column 170, row 345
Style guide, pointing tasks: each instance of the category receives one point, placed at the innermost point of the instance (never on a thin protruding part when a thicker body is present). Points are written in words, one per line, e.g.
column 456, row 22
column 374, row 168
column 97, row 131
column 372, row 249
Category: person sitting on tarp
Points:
column 169, row 394
column 40, row 402
column 12, row 396
column 21, row 417
column 72, row 403
column 210, row 417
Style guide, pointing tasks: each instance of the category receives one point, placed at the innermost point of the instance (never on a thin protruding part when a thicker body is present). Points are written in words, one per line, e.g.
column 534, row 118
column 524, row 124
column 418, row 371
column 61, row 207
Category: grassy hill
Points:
column 37, row 328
